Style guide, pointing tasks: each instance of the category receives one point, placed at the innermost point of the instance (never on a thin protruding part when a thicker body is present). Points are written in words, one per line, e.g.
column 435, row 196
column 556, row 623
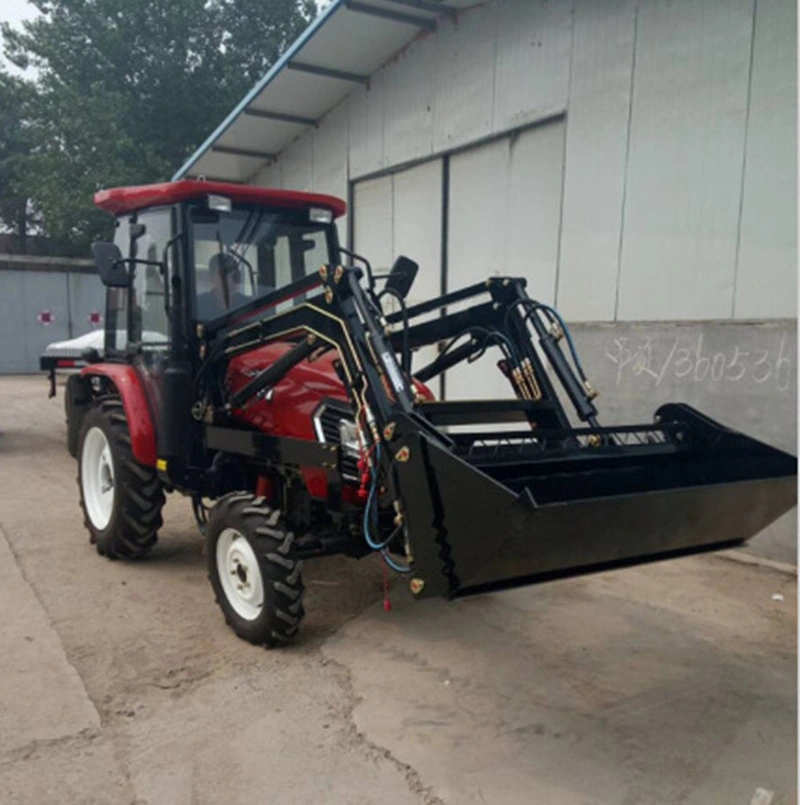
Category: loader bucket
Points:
column 502, row 510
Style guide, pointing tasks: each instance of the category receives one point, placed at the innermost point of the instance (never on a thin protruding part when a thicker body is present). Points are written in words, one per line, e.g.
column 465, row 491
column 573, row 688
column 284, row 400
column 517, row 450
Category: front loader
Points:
column 256, row 366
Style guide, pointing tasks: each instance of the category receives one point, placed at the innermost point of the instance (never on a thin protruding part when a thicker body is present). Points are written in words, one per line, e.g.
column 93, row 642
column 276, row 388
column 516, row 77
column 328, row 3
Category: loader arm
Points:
column 482, row 510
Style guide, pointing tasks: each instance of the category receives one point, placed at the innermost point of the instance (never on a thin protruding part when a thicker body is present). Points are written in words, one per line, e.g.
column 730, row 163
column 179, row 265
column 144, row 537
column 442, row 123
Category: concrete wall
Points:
column 69, row 289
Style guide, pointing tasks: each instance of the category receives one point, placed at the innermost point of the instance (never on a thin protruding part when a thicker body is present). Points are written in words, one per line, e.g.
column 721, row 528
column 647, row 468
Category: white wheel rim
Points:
column 97, row 478
column 240, row 574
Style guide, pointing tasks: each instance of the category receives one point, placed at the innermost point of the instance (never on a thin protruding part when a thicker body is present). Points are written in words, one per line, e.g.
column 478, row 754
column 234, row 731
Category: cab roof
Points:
column 120, row 200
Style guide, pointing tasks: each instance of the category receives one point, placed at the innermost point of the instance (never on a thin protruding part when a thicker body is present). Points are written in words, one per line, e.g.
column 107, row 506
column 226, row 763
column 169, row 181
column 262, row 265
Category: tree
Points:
column 124, row 91
column 14, row 149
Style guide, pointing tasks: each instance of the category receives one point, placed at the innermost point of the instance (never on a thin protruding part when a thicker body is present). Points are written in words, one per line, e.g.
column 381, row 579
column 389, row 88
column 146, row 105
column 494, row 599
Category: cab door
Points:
column 147, row 335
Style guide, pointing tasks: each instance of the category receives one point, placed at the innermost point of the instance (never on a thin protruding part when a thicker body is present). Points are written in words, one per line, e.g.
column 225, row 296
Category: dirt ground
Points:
column 120, row 683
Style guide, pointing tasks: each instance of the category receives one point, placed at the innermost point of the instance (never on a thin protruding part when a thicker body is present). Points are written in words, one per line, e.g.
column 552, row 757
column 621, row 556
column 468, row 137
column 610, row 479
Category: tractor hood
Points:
column 287, row 410
column 289, row 407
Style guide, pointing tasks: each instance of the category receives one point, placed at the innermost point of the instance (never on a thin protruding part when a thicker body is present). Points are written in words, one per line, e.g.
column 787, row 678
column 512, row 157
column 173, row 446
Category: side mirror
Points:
column 402, row 276
column 110, row 266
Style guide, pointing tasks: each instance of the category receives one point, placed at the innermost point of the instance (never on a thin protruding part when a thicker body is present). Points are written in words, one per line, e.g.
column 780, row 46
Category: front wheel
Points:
column 254, row 570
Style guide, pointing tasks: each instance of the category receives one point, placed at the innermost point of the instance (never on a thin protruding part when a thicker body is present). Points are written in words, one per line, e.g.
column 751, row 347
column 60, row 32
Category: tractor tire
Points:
column 76, row 400
column 73, row 434
column 254, row 570
column 121, row 499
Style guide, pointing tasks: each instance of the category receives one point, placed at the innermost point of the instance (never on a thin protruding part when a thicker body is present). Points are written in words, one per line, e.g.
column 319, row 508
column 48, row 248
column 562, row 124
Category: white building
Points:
column 634, row 159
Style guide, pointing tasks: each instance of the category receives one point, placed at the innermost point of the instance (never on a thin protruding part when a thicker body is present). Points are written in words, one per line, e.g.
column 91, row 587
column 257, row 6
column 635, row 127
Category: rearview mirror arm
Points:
column 405, row 356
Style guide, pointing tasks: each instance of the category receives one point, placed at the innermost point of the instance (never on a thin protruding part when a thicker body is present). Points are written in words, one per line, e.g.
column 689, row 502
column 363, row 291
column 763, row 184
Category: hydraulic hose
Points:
column 576, row 391
column 379, row 546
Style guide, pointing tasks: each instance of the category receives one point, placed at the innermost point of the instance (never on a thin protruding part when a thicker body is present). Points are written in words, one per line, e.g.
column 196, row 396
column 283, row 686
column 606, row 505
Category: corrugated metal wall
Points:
column 29, row 286
column 685, row 155
column 766, row 266
column 678, row 198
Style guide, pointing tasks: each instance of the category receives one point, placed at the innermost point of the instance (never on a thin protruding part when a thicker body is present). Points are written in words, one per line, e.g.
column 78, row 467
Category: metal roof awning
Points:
column 342, row 48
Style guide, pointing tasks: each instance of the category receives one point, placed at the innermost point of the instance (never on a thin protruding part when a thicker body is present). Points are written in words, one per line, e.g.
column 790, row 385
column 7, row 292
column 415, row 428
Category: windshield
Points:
column 245, row 254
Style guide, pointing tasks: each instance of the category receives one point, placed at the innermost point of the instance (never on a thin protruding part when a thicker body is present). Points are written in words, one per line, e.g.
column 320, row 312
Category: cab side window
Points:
column 150, row 321
column 138, row 315
column 116, row 336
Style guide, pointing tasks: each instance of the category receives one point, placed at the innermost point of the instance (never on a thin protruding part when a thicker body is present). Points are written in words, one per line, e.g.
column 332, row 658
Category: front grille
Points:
column 326, row 420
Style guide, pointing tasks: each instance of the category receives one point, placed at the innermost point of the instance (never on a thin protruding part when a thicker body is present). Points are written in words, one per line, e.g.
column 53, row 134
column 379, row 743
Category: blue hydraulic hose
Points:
column 379, row 546
column 392, row 564
column 568, row 335
column 376, row 546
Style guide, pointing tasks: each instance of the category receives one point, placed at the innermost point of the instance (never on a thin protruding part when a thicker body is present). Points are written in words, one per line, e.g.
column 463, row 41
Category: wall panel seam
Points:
column 744, row 159
column 627, row 161
column 564, row 154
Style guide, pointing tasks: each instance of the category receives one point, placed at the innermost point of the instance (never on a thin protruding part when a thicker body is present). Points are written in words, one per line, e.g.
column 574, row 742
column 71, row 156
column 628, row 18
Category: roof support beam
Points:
column 284, row 118
column 426, row 5
column 328, row 72
column 387, row 14
column 241, row 152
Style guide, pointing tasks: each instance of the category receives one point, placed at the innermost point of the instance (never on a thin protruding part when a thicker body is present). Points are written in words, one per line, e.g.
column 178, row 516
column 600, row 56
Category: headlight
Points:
column 334, row 424
column 317, row 215
column 348, row 437
column 219, row 203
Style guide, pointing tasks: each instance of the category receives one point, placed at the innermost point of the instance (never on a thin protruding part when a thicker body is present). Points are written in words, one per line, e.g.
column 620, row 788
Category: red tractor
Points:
column 250, row 360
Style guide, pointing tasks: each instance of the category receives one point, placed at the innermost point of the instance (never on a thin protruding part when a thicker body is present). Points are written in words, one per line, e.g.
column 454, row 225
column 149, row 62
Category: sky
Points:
column 14, row 11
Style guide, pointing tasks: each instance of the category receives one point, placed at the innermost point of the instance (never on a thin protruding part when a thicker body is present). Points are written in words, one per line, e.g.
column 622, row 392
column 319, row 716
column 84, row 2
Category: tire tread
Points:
column 280, row 568
column 134, row 528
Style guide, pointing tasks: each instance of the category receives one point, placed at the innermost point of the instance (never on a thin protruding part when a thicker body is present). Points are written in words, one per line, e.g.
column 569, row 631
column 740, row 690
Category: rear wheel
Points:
column 121, row 498
column 254, row 570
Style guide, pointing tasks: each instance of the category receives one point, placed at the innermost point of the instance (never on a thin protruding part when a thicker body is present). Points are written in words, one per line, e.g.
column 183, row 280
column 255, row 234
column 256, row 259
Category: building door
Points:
column 503, row 211
column 401, row 214
column 504, row 216
column 34, row 312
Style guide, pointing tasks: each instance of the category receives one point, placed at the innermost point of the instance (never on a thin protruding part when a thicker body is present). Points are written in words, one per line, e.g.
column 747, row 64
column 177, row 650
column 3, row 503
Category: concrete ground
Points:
column 120, row 683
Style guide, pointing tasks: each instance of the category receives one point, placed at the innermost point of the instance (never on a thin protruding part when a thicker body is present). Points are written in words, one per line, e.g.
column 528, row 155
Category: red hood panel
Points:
column 288, row 412
column 290, row 408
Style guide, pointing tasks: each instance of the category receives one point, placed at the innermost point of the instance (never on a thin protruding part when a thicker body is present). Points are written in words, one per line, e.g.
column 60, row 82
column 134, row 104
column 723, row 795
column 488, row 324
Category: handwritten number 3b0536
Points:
column 692, row 363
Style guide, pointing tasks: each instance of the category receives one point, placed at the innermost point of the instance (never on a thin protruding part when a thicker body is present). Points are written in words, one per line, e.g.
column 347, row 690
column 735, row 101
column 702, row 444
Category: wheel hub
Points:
column 239, row 574
column 97, row 478
column 106, row 477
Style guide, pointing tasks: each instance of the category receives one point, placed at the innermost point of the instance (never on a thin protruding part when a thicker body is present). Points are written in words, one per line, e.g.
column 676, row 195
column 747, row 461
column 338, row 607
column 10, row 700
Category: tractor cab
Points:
column 189, row 258
column 207, row 250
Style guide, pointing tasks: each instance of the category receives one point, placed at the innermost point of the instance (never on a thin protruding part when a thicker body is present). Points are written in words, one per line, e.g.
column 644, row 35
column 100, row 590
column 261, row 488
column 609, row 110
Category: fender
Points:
column 137, row 411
